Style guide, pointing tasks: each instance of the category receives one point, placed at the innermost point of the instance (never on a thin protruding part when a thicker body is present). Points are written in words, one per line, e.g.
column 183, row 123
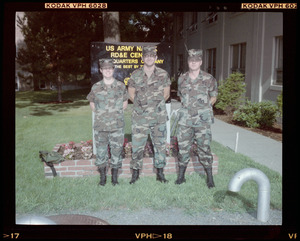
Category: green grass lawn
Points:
column 41, row 126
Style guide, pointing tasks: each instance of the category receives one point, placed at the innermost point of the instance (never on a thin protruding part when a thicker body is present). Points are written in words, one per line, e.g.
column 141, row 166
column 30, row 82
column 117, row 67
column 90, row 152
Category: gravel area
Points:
column 223, row 221
column 180, row 217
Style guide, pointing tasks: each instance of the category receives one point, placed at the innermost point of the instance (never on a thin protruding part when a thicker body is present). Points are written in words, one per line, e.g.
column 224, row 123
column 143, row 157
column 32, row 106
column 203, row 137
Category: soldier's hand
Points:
column 213, row 100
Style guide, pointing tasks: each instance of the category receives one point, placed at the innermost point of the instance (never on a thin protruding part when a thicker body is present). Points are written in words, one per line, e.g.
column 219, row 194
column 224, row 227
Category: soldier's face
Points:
column 194, row 63
column 107, row 72
column 149, row 59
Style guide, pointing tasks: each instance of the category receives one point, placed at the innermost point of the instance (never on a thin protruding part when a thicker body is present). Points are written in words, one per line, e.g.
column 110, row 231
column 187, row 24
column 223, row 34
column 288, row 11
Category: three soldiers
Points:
column 148, row 89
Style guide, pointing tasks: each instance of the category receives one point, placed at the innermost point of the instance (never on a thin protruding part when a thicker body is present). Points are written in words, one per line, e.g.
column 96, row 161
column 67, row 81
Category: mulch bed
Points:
column 274, row 132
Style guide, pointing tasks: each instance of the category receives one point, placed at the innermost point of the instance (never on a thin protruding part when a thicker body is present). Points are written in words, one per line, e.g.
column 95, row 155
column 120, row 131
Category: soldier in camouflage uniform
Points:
column 198, row 92
column 149, row 88
column 108, row 98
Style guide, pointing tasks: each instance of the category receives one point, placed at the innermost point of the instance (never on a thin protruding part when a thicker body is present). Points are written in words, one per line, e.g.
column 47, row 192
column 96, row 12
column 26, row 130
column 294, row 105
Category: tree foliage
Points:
column 57, row 43
column 145, row 26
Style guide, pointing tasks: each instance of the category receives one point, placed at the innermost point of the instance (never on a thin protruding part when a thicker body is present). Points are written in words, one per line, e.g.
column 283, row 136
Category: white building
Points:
column 251, row 43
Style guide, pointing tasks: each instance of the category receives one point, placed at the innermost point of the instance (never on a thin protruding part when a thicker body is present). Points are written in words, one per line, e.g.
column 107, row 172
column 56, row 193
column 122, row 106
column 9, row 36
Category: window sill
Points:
column 276, row 87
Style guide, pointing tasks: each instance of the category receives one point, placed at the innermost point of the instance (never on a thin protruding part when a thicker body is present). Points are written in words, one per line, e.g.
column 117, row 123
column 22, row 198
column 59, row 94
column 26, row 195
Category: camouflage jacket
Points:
column 108, row 101
column 195, row 96
column 149, row 105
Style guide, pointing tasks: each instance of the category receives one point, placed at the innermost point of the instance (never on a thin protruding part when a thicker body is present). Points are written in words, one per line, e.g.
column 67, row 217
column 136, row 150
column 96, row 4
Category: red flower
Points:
column 125, row 142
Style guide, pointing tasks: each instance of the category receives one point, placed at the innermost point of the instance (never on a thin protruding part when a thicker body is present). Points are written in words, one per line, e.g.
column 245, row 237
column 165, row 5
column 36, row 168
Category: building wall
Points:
column 273, row 28
column 257, row 30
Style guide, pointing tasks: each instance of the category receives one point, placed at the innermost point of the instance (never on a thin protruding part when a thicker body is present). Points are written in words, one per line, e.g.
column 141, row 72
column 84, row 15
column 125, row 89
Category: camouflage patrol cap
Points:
column 195, row 54
column 106, row 63
column 149, row 49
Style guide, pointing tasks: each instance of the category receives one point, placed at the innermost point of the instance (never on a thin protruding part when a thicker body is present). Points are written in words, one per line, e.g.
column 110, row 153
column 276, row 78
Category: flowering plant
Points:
column 169, row 149
column 127, row 148
column 194, row 149
column 172, row 148
column 148, row 150
column 69, row 150
column 86, row 149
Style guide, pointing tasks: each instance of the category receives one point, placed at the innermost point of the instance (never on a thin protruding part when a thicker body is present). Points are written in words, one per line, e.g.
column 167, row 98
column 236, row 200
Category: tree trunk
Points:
column 36, row 85
column 111, row 28
column 59, row 88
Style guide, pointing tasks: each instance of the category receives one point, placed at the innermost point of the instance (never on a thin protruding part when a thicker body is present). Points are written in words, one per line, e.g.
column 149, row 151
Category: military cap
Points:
column 149, row 49
column 195, row 53
column 106, row 63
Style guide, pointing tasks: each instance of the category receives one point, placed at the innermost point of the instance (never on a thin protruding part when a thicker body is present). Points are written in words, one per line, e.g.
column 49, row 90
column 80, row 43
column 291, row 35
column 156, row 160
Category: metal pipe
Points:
column 244, row 175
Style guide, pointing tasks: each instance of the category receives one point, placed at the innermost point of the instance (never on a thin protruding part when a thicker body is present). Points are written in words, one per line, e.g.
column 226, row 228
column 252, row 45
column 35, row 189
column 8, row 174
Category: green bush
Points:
column 230, row 92
column 174, row 84
column 256, row 115
column 279, row 103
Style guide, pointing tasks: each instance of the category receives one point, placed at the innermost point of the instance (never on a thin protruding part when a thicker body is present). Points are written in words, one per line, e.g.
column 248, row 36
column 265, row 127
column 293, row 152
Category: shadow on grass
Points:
column 249, row 206
column 43, row 103
column 220, row 196
column 49, row 109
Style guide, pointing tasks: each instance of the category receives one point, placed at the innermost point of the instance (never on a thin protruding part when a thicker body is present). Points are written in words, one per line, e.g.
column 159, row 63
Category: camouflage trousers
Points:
column 186, row 136
column 113, row 140
column 158, row 134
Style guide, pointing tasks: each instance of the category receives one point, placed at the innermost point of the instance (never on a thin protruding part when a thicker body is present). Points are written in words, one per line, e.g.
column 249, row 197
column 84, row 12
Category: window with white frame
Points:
column 278, row 68
column 194, row 18
column 211, row 61
column 212, row 17
column 238, row 58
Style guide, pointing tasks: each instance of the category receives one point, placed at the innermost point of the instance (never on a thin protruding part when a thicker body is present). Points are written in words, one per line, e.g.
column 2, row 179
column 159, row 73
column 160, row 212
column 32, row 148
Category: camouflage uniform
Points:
column 109, row 121
column 149, row 115
column 195, row 115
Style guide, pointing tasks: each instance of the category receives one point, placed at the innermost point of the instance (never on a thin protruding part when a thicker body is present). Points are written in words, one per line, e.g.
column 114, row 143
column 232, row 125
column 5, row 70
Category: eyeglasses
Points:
column 194, row 59
column 107, row 68
column 149, row 55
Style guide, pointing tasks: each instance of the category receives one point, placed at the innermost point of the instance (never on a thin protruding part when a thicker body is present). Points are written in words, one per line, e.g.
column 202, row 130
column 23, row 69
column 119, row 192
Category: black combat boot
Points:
column 135, row 176
column 180, row 178
column 102, row 171
column 160, row 175
column 114, row 176
column 210, row 181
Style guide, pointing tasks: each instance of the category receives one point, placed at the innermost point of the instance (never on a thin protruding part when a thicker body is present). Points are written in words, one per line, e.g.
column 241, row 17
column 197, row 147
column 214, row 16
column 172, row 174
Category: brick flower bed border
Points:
column 83, row 168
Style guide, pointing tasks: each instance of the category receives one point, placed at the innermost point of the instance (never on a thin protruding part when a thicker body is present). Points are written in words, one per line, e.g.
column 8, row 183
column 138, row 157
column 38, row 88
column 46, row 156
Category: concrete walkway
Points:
column 261, row 149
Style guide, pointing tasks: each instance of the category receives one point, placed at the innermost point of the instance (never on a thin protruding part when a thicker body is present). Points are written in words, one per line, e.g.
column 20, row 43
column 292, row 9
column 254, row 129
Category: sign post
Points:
column 168, row 106
column 94, row 143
